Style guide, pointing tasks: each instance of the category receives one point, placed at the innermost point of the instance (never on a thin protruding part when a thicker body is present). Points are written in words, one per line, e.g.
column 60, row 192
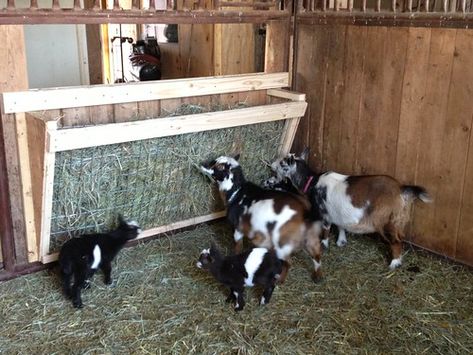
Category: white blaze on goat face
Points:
column 262, row 215
column 227, row 160
column 237, row 235
column 252, row 264
column 285, row 167
column 226, row 184
column 97, row 257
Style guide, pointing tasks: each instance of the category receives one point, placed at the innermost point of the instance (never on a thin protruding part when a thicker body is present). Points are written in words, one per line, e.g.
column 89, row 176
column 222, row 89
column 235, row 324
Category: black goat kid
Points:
column 258, row 266
column 81, row 257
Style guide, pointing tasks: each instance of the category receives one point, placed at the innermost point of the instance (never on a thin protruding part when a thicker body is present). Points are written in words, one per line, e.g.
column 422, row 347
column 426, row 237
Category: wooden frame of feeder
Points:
column 37, row 166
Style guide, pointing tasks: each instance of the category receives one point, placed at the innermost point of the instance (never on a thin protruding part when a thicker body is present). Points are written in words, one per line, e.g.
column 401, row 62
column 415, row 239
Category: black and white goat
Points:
column 255, row 267
column 270, row 219
column 80, row 257
column 357, row 204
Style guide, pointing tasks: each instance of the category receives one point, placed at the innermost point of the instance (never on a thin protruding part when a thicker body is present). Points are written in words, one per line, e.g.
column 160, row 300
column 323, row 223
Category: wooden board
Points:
column 387, row 129
column 48, row 258
column 46, row 99
column 26, row 186
column 430, row 172
column 68, row 139
column 410, row 119
column 367, row 148
column 353, row 70
column 454, row 201
column 312, row 61
column 334, row 89
column 13, row 72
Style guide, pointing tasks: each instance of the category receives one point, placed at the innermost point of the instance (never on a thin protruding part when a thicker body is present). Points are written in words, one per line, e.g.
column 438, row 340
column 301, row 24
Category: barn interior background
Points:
column 388, row 85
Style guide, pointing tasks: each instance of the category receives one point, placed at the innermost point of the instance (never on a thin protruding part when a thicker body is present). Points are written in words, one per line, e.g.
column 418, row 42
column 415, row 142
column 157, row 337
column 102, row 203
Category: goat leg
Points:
column 268, row 291
column 107, row 272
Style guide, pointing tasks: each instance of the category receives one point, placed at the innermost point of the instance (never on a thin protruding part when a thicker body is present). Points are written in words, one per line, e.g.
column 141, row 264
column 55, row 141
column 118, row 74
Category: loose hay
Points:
column 154, row 181
column 162, row 303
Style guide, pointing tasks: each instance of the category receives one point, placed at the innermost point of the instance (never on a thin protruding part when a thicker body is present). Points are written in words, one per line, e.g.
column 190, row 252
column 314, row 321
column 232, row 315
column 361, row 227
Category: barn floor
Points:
column 162, row 303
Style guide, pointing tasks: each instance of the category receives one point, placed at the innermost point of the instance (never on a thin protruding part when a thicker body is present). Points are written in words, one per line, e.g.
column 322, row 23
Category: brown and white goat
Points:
column 357, row 204
column 270, row 219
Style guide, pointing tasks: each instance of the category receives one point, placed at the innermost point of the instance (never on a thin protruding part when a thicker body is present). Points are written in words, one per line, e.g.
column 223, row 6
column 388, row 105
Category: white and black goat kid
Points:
column 80, row 257
column 357, row 204
column 270, row 219
column 255, row 267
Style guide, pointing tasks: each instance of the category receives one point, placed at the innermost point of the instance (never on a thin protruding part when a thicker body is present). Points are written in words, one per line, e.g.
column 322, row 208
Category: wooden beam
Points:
column 386, row 18
column 72, row 16
column 48, row 185
column 287, row 139
column 27, row 188
column 55, row 98
column 48, row 258
column 68, row 139
column 286, row 94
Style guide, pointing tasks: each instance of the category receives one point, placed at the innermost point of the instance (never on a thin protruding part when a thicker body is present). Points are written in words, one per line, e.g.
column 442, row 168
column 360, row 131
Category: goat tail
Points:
column 414, row 191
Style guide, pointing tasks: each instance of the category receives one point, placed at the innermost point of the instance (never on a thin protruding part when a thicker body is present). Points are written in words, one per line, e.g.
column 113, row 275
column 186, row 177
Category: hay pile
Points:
column 154, row 181
column 162, row 303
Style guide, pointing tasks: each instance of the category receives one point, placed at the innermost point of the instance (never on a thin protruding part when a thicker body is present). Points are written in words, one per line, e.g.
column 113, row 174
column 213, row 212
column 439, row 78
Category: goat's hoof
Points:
column 109, row 283
column 341, row 243
column 325, row 243
column 77, row 305
column 317, row 278
column 239, row 309
column 395, row 263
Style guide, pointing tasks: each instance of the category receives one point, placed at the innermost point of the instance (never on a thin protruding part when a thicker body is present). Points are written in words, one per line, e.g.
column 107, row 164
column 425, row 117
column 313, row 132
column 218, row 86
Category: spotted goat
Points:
column 358, row 204
column 258, row 266
column 81, row 257
column 270, row 219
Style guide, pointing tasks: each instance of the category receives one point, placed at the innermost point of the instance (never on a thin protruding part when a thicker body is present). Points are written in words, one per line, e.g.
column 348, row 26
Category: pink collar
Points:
column 307, row 184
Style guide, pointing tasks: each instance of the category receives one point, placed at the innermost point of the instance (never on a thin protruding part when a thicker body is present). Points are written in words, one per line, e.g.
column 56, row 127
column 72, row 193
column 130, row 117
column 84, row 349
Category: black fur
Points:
column 231, row 272
column 76, row 258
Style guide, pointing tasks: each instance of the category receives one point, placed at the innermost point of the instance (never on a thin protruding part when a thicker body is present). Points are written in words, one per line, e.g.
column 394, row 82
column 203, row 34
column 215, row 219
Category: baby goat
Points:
column 270, row 219
column 81, row 257
column 358, row 204
column 258, row 266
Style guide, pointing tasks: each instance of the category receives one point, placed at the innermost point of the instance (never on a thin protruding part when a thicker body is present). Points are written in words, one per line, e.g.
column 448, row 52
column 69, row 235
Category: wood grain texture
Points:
column 68, row 139
column 60, row 98
column 367, row 160
column 430, row 172
column 13, row 76
column 454, row 204
column 335, row 87
column 311, row 75
column 353, row 69
column 410, row 119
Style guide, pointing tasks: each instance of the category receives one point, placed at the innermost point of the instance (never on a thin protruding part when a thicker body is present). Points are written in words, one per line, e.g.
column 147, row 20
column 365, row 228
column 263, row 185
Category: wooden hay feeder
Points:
column 112, row 152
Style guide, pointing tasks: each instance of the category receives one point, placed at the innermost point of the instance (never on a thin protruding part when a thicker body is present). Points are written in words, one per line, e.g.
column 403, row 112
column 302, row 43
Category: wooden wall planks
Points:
column 395, row 101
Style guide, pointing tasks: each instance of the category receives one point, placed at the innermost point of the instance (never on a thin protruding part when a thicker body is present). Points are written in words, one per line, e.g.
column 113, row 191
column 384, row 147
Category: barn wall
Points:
column 13, row 76
column 398, row 101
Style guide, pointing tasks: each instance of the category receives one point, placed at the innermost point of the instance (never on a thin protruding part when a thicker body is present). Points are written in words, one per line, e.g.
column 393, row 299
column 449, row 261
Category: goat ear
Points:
column 305, row 154
column 237, row 157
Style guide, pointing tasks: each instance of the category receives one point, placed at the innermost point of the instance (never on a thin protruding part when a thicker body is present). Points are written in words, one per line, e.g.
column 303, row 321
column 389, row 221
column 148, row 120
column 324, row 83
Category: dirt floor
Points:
column 161, row 303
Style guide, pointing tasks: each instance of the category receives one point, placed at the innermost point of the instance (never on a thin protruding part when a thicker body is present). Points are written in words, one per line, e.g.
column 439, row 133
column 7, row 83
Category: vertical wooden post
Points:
column 48, row 187
column 26, row 186
column 14, row 74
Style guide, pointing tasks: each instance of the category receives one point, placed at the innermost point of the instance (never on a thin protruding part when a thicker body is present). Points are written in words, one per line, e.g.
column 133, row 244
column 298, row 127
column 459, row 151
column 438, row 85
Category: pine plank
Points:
column 334, row 92
column 430, row 171
column 351, row 99
column 368, row 157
